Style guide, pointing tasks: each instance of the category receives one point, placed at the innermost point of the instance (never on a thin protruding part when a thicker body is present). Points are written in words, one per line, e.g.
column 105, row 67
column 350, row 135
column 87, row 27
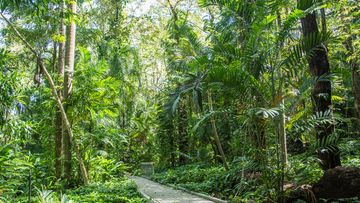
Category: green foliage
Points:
column 140, row 90
column 213, row 180
column 14, row 171
column 199, row 178
column 44, row 196
column 306, row 48
column 117, row 190
column 103, row 169
column 304, row 169
column 349, row 149
column 6, row 4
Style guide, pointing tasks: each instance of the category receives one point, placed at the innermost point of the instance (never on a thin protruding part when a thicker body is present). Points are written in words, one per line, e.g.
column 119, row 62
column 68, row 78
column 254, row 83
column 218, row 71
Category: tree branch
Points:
column 20, row 36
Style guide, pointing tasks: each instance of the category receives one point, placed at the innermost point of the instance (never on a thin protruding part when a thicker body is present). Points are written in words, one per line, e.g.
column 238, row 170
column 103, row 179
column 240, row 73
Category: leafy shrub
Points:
column 212, row 180
column 103, row 169
column 350, row 151
column 14, row 171
column 304, row 169
column 118, row 190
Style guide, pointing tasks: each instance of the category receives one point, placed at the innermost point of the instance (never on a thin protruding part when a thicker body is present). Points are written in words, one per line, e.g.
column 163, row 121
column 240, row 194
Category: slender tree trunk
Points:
column 58, row 145
column 226, row 132
column 282, row 123
column 216, row 135
column 356, row 89
column 283, row 143
column 192, row 144
column 355, row 75
column 182, row 131
column 69, row 69
column 59, row 129
column 323, row 20
column 321, row 93
column 172, row 147
column 282, row 135
column 54, row 56
column 61, row 62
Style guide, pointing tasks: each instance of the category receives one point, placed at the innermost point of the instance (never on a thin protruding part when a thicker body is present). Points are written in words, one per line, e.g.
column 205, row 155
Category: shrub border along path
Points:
column 156, row 192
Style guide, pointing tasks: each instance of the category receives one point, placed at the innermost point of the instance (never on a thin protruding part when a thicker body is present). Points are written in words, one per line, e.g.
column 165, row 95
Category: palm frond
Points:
column 193, row 85
column 306, row 48
column 307, row 4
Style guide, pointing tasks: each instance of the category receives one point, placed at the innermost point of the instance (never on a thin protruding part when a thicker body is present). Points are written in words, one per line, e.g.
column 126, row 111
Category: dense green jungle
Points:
column 239, row 100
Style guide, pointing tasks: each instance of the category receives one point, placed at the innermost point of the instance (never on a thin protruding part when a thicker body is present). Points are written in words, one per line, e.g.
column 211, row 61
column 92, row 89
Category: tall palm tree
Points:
column 321, row 94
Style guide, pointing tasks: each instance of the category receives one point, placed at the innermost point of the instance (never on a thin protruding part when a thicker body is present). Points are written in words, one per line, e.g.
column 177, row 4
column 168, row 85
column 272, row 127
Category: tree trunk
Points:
column 355, row 78
column 356, row 89
column 226, row 132
column 172, row 150
column 54, row 56
column 321, row 93
column 323, row 20
column 282, row 123
column 216, row 136
column 69, row 69
column 283, row 144
column 182, row 132
column 65, row 121
column 58, row 145
column 59, row 129
column 282, row 134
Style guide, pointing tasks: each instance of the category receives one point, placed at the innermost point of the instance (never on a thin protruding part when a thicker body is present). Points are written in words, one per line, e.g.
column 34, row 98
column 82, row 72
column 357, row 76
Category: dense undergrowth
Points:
column 117, row 191
column 109, row 184
column 21, row 170
column 244, row 182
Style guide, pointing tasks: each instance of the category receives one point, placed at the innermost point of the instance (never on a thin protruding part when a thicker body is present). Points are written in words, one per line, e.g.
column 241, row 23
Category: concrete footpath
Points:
column 164, row 194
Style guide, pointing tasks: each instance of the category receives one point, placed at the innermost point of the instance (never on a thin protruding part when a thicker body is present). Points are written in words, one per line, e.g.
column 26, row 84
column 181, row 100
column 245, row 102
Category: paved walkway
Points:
column 163, row 194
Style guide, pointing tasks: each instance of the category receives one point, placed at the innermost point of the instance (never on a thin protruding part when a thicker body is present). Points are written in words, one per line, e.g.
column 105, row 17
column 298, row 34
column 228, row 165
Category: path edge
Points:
column 144, row 195
column 214, row 199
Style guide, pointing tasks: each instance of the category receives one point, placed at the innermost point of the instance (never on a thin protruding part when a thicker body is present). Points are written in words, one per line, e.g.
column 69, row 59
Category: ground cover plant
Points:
column 117, row 191
column 241, row 183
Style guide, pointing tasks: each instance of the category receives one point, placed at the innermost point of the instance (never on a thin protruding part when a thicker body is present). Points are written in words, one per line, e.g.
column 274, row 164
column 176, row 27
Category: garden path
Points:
column 164, row 194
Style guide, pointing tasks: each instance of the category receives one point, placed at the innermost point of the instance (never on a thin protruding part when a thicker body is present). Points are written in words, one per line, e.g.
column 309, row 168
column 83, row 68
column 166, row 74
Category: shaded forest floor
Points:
column 247, row 181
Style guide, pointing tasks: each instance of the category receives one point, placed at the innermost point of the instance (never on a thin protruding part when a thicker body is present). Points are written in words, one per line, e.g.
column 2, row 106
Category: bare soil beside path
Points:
column 164, row 194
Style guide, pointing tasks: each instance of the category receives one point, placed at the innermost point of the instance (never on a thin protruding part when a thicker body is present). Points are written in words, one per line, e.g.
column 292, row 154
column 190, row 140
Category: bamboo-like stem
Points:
column 216, row 135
